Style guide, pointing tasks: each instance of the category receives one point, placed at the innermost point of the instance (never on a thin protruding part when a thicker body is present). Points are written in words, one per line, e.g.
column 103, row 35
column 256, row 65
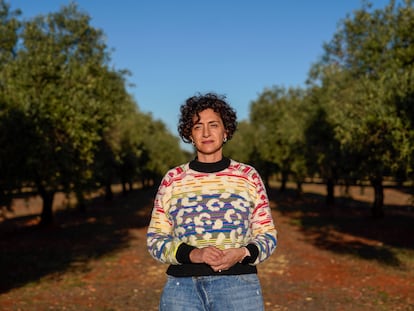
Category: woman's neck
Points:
column 209, row 158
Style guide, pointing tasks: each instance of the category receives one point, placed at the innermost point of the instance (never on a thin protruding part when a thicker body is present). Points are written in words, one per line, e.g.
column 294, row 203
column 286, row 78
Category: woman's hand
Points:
column 210, row 255
column 230, row 257
column 218, row 259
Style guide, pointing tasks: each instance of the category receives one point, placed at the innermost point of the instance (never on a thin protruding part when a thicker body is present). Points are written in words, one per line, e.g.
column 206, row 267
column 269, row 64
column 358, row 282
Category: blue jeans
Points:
column 212, row 293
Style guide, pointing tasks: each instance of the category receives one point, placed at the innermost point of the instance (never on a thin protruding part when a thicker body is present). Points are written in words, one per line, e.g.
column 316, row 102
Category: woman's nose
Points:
column 206, row 131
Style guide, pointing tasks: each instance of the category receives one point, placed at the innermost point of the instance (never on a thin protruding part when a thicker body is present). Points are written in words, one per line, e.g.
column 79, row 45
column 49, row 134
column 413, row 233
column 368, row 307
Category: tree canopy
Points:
column 68, row 122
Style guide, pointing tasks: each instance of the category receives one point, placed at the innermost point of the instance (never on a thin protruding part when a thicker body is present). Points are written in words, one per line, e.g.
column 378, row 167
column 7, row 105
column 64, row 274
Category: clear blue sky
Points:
column 236, row 48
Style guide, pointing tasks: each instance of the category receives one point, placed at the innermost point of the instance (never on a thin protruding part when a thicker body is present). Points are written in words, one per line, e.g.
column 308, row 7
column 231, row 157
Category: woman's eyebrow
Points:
column 208, row 122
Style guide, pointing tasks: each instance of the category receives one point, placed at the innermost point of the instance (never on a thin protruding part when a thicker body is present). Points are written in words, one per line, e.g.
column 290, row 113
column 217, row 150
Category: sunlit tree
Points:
column 57, row 81
column 276, row 118
column 11, row 155
column 367, row 73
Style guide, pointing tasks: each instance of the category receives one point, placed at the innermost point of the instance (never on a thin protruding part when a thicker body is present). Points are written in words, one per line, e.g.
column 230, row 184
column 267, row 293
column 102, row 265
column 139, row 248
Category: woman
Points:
column 211, row 219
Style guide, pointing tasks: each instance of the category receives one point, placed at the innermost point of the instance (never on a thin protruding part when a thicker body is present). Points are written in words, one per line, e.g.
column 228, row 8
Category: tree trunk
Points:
column 299, row 187
column 347, row 193
column 124, row 188
column 46, row 217
column 377, row 210
column 284, row 180
column 330, row 192
column 81, row 204
column 109, row 195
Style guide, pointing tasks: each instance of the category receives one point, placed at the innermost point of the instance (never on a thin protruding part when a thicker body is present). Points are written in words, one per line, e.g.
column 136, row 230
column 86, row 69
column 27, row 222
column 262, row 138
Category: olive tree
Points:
column 276, row 117
column 366, row 69
column 58, row 82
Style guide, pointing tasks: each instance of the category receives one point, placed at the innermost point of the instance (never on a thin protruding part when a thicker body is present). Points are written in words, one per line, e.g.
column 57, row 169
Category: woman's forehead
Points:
column 207, row 115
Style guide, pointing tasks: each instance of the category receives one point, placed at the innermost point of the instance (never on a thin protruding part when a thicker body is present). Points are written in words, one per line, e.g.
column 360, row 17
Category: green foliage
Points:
column 277, row 121
column 365, row 87
column 68, row 123
column 163, row 149
column 66, row 119
column 361, row 76
column 242, row 145
column 49, row 81
column 9, row 30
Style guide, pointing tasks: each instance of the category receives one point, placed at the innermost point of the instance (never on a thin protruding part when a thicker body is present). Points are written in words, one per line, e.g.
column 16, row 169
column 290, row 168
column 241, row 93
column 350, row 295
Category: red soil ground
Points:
column 325, row 260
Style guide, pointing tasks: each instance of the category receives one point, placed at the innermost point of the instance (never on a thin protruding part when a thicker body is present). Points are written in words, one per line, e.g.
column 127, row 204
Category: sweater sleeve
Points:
column 264, row 234
column 161, row 243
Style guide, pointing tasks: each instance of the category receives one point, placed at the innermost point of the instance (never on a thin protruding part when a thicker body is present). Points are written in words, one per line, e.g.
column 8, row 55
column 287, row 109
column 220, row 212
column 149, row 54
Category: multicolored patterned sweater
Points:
column 223, row 204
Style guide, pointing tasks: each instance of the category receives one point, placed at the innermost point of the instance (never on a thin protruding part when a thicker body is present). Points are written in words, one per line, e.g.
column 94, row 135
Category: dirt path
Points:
column 299, row 276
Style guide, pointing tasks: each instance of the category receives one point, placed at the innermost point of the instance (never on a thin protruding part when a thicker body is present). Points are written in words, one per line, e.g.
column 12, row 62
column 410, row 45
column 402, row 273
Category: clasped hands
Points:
column 216, row 258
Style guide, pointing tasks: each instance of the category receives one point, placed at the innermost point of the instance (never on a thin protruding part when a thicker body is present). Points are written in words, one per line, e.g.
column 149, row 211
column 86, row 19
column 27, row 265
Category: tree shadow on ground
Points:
column 348, row 228
column 405, row 189
column 30, row 252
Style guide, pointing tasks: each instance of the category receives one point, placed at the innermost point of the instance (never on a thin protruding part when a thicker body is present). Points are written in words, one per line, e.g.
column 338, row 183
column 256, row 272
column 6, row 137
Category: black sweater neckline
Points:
column 213, row 167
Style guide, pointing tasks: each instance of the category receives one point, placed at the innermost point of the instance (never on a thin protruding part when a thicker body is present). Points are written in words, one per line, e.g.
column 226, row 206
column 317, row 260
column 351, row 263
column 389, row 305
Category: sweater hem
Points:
column 188, row 270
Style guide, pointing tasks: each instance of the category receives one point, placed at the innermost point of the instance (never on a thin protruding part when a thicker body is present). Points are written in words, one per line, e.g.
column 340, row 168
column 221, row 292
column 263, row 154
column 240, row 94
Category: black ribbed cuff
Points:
column 183, row 253
column 254, row 253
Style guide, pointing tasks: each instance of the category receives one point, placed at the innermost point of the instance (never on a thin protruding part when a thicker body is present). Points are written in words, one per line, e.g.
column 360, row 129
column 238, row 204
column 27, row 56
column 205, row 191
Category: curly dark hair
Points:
column 196, row 104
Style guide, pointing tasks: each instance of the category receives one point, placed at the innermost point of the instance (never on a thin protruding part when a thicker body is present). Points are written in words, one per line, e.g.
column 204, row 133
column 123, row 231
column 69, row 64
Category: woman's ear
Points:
column 225, row 137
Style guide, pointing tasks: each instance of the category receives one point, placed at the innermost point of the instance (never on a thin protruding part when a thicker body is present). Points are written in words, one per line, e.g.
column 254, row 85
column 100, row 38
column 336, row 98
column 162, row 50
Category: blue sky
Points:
column 237, row 48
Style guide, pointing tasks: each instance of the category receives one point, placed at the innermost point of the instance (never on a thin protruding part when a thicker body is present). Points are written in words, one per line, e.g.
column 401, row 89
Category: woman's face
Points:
column 208, row 134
